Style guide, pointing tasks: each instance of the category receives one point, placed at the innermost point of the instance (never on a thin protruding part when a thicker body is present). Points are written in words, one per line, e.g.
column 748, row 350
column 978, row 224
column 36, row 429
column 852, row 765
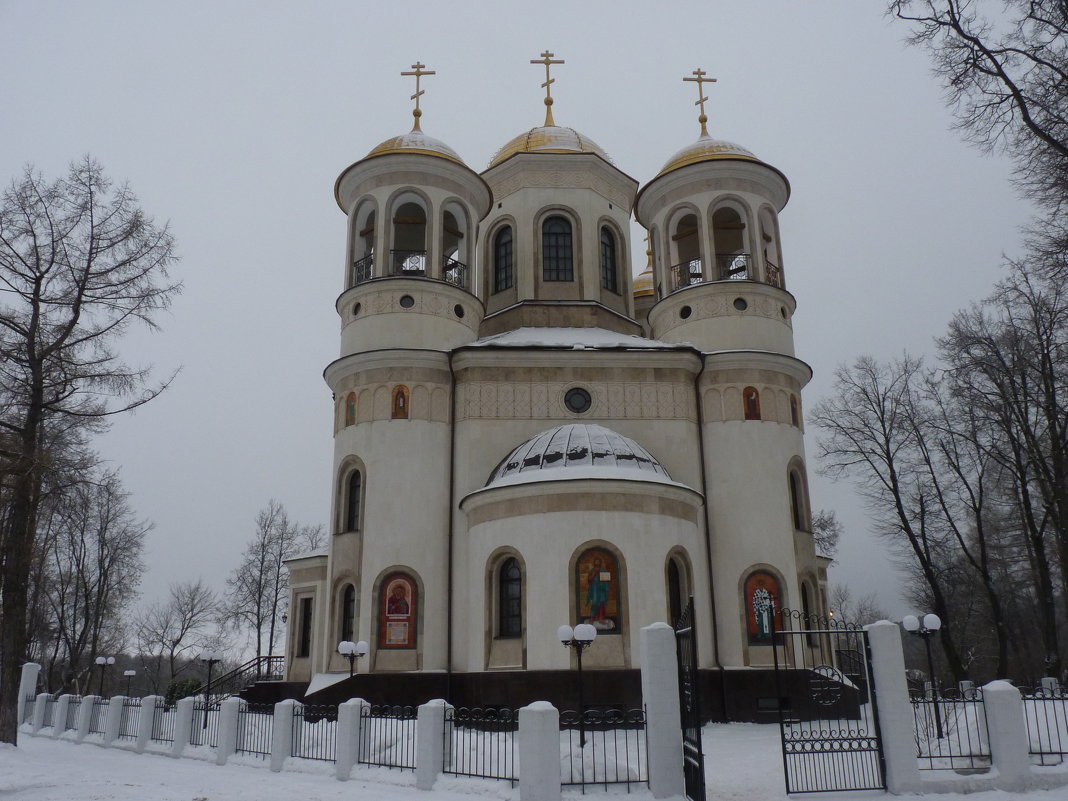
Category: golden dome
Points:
column 549, row 139
column 416, row 142
column 643, row 283
column 706, row 149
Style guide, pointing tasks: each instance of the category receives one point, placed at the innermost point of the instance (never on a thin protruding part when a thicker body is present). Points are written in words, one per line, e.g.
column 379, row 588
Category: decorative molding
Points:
column 534, row 400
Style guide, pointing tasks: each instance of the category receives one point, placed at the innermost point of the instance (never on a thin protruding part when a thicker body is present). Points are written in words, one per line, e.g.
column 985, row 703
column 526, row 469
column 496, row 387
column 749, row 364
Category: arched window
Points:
column 732, row 257
column 503, row 277
column 685, row 253
column 353, row 497
column 795, row 411
column 762, row 602
column 350, row 409
column 674, row 591
column 348, row 613
column 597, row 591
column 510, row 599
column 557, row 263
column 609, row 270
column 400, row 402
column 397, row 609
column 751, row 403
column 408, row 253
column 798, row 507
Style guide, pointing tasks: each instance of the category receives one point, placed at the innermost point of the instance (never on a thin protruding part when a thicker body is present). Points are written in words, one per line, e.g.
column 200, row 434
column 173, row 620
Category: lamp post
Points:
column 925, row 630
column 210, row 658
column 352, row 651
column 103, row 662
column 579, row 638
column 129, row 674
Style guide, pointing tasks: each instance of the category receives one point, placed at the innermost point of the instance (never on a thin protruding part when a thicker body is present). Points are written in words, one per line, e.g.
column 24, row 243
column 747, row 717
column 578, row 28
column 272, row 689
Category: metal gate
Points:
column 690, row 706
column 827, row 705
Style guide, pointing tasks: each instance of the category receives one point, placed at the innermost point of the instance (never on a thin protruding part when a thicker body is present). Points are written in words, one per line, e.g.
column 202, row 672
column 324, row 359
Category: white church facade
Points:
column 525, row 435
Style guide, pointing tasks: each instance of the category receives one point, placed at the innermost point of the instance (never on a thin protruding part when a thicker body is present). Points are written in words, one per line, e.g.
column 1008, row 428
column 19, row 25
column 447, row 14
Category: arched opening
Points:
column 686, row 252
column 763, row 600
column 353, row 500
column 510, row 599
column 798, row 501
column 347, row 621
column 795, row 411
column 408, row 250
column 769, row 242
column 751, row 403
column 398, row 605
column 557, row 250
column 609, row 262
column 350, row 409
column 503, row 269
column 399, row 407
column 454, row 257
column 598, row 595
column 363, row 244
column 728, row 233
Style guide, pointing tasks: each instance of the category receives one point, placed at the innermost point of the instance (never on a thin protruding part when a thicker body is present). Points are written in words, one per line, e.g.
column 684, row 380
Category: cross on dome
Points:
column 699, row 78
column 547, row 59
column 418, row 72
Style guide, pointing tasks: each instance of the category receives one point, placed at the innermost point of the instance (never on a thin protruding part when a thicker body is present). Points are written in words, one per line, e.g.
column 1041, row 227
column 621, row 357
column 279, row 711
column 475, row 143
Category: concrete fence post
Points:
column 430, row 743
column 145, row 720
column 539, row 752
column 896, row 725
column 39, row 707
column 85, row 717
column 59, row 716
column 663, row 717
column 282, row 733
column 114, row 725
column 1008, row 735
column 183, row 726
column 27, row 687
column 349, row 715
column 1050, row 685
column 229, row 718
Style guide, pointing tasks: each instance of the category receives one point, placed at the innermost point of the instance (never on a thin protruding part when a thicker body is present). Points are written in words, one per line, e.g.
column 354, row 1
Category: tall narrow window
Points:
column 609, row 272
column 556, row 254
column 751, row 403
column 797, row 505
column 348, row 613
column 350, row 409
column 674, row 591
column 502, row 260
column 304, row 634
column 400, row 402
column 795, row 412
column 510, row 599
column 352, row 501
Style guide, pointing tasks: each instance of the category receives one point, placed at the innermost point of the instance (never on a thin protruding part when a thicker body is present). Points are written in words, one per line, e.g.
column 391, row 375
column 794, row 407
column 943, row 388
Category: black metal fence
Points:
column 387, row 736
column 255, row 729
column 950, row 728
column 50, row 711
column 603, row 748
column 163, row 720
column 481, row 742
column 205, row 729
column 73, row 708
column 131, row 718
column 1046, row 716
column 30, row 705
column 314, row 732
column 99, row 720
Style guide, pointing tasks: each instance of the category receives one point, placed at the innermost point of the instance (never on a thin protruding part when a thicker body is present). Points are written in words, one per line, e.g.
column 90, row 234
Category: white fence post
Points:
column 183, row 725
column 229, row 713
column 85, row 716
column 59, row 716
column 429, row 743
column 539, row 752
column 27, row 687
column 349, row 715
column 282, row 733
column 896, row 724
column 39, row 707
column 1008, row 735
column 663, row 717
column 114, row 724
column 145, row 719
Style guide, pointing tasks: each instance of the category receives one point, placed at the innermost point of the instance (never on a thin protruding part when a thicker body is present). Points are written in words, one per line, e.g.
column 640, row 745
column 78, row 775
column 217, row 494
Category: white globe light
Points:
column 111, row 660
column 345, row 647
column 584, row 632
column 565, row 633
column 932, row 622
column 101, row 660
column 910, row 623
column 129, row 673
column 361, row 648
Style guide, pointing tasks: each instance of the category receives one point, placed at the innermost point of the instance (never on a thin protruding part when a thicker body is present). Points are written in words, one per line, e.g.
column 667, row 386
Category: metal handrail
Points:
column 363, row 269
column 260, row 668
column 734, row 267
column 454, row 272
column 687, row 273
column 407, row 262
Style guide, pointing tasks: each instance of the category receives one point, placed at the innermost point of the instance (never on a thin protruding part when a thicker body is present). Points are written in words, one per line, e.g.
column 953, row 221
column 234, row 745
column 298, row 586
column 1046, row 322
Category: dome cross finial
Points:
column 418, row 72
column 547, row 59
column 699, row 78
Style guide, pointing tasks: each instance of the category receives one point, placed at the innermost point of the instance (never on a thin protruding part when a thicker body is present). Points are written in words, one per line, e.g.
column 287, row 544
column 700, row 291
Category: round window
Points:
column 458, row 310
column 740, row 304
column 407, row 301
column 685, row 312
column 356, row 309
column 577, row 400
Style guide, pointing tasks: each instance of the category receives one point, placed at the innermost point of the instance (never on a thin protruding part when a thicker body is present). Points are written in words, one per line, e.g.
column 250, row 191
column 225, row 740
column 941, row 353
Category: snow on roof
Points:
column 577, row 338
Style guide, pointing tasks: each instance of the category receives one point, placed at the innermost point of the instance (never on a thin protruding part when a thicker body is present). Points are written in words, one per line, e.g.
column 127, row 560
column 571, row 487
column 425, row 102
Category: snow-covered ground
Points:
column 743, row 761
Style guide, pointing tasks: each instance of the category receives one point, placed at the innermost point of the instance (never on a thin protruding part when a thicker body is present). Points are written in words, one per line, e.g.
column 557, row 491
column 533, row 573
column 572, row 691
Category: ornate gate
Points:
column 827, row 711
column 689, row 703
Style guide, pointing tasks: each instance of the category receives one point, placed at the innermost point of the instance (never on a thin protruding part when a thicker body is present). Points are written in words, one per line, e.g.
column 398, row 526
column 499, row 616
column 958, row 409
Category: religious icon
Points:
column 762, row 599
column 396, row 617
column 597, row 588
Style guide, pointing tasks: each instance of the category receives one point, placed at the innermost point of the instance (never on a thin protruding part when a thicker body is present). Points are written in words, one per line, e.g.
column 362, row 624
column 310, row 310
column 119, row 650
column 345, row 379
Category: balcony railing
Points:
column 689, row 272
column 732, row 268
column 455, row 272
column 774, row 275
column 407, row 262
column 363, row 269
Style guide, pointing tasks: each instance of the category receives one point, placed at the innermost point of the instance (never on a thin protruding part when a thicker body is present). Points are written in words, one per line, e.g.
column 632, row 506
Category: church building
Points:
column 526, row 435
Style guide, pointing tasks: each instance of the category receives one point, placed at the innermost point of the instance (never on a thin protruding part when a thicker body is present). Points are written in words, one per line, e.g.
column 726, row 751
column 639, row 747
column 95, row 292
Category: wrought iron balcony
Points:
column 774, row 275
column 689, row 272
column 363, row 269
column 407, row 262
column 455, row 272
column 734, row 267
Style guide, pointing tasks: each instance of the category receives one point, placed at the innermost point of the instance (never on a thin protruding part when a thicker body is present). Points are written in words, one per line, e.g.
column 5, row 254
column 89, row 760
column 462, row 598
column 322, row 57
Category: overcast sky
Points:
column 231, row 120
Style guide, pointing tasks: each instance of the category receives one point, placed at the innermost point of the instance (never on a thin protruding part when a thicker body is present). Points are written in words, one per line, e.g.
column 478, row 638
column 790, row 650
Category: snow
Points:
column 742, row 763
column 575, row 338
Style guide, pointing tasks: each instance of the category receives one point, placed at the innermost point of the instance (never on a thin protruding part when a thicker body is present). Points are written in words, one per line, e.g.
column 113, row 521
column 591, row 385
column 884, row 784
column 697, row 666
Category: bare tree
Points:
column 80, row 263
column 826, row 532
column 854, row 610
column 168, row 632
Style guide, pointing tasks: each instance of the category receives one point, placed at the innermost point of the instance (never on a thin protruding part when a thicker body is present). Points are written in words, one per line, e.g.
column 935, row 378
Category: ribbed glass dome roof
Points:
column 581, row 447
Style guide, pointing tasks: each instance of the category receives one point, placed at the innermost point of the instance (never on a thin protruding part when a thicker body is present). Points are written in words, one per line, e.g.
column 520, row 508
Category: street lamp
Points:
column 103, row 662
column 579, row 638
column 926, row 630
column 129, row 674
column 352, row 651
column 210, row 658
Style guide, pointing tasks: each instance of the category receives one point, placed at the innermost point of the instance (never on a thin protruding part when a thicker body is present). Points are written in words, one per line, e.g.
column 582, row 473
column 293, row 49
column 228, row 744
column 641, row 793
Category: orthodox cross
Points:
column 699, row 78
column 418, row 72
column 547, row 59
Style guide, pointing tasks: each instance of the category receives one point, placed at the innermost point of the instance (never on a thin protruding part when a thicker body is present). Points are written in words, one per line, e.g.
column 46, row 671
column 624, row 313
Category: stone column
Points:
column 282, row 733
column 663, row 717
column 429, row 741
column 349, row 715
column 59, row 716
column 896, row 725
column 27, row 687
column 144, row 721
column 85, row 717
column 114, row 724
column 1008, row 735
column 39, row 711
column 229, row 712
column 539, row 752
column 183, row 726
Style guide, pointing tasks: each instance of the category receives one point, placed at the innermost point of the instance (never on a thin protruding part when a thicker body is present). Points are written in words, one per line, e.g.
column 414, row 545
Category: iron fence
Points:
column 363, row 269
column 131, row 718
column 603, row 748
column 1046, row 716
column 255, row 729
column 314, row 733
column 30, row 705
column 387, row 736
column 205, row 729
column 73, row 707
column 687, row 273
column 733, row 267
column 454, row 272
column 408, row 262
column 163, row 719
column 950, row 727
column 98, row 721
column 49, row 711
column 481, row 742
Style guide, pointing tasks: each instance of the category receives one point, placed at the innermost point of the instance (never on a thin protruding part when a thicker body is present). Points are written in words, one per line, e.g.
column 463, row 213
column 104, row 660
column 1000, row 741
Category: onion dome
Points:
column 644, row 283
column 416, row 141
column 578, row 451
column 549, row 139
column 706, row 149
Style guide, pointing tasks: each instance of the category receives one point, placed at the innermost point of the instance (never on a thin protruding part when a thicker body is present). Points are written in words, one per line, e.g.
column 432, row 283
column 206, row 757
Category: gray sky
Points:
column 233, row 119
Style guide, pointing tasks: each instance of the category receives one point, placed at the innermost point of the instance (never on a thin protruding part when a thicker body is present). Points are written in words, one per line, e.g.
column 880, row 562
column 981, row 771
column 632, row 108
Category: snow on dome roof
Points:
column 578, row 451
column 706, row 149
column 549, row 139
column 578, row 338
column 416, row 142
